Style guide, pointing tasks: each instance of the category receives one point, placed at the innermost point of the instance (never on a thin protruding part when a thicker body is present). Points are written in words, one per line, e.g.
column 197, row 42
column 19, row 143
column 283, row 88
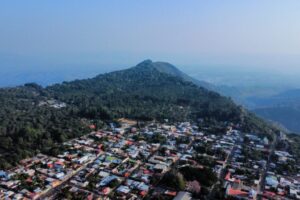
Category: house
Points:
column 83, row 159
column 59, row 175
column 106, row 190
column 58, row 165
column 30, row 172
column 123, row 189
column 266, row 141
column 272, row 181
column 133, row 153
column 107, row 180
column 3, row 175
column 183, row 196
column 236, row 192
column 103, row 174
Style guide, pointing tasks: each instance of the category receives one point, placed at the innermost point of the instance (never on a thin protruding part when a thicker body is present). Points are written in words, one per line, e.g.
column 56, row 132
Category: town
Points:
column 159, row 161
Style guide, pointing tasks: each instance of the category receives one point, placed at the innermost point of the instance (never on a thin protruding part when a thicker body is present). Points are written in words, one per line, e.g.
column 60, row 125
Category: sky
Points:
column 89, row 37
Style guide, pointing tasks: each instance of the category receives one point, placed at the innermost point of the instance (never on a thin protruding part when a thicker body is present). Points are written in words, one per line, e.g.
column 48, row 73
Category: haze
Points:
column 52, row 41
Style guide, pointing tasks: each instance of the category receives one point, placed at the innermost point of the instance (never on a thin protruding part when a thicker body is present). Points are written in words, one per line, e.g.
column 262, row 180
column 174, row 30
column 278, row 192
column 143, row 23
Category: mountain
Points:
column 287, row 116
column 285, row 98
column 283, row 108
column 35, row 119
column 150, row 91
column 167, row 68
column 147, row 85
column 224, row 90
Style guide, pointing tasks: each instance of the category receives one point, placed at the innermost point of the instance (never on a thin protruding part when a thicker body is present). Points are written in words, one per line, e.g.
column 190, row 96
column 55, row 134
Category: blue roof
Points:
column 3, row 173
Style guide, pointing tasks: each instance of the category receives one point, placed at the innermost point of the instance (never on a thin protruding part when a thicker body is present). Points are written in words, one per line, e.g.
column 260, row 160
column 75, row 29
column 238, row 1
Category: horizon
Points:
column 214, row 74
column 53, row 35
column 51, row 42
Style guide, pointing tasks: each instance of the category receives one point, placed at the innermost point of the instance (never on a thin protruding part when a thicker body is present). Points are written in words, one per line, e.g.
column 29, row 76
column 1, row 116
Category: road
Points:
column 223, row 170
column 56, row 189
column 262, row 183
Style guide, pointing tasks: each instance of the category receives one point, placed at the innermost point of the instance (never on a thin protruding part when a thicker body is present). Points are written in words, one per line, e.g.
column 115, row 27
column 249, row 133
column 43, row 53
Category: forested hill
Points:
column 152, row 90
column 145, row 92
column 34, row 119
column 167, row 68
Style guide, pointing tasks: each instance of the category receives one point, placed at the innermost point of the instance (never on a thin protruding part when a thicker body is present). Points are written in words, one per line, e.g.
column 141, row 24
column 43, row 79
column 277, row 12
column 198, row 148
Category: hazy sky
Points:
column 50, row 34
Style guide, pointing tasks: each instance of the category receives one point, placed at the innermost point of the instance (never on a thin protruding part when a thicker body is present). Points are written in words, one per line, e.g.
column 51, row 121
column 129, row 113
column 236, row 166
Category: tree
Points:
column 204, row 176
column 174, row 179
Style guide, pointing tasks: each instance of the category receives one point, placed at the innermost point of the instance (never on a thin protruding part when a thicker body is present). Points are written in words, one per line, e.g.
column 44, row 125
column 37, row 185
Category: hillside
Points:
column 289, row 117
column 167, row 68
column 146, row 92
column 283, row 108
column 34, row 119
column 289, row 98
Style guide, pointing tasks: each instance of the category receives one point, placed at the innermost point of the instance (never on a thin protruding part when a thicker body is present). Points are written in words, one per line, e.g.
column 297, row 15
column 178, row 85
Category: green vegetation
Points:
column 27, row 128
column 205, row 176
column 29, row 183
column 69, row 195
column 157, row 138
column 114, row 183
column 252, row 154
column 93, row 180
column 29, row 125
column 294, row 146
column 206, row 148
column 144, row 93
column 205, row 161
column 197, row 178
column 174, row 180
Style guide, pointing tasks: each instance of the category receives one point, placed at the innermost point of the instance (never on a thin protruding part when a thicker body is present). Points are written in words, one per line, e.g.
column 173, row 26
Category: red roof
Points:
column 106, row 190
column 127, row 174
column 90, row 197
column 29, row 180
column 59, row 163
column 143, row 193
column 269, row 194
column 171, row 193
column 233, row 192
column 129, row 142
column 32, row 195
column 227, row 178
column 237, row 180
column 92, row 126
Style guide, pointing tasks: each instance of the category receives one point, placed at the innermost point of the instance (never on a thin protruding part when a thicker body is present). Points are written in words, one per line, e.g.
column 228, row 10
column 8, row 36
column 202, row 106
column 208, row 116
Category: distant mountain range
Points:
column 289, row 97
column 283, row 108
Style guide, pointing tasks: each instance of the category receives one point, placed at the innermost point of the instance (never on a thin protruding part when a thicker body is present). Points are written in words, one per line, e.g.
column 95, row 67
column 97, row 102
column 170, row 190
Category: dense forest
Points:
column 27, row 128
column 35, row 119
